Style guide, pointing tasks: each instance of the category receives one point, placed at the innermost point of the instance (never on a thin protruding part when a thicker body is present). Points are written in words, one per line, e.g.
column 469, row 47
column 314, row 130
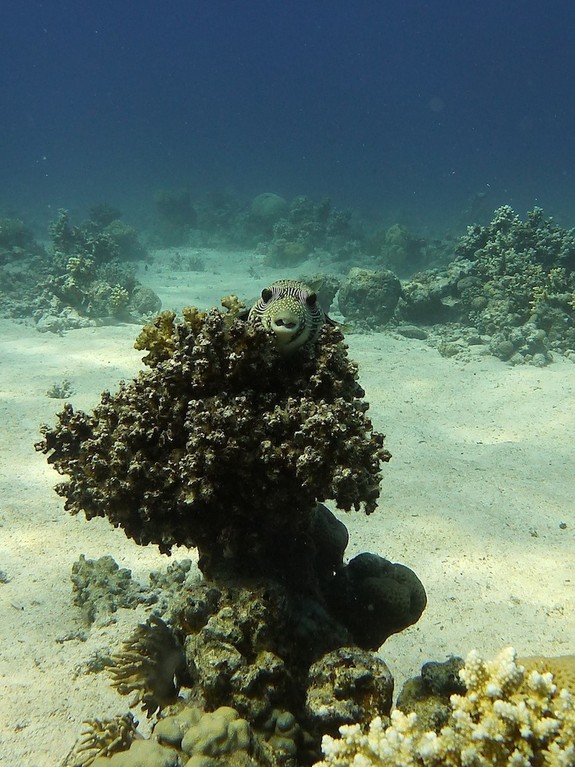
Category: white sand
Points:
column 480, row 480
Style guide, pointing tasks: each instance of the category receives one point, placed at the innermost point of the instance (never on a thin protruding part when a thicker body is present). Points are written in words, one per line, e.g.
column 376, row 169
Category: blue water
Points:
column 404, row 110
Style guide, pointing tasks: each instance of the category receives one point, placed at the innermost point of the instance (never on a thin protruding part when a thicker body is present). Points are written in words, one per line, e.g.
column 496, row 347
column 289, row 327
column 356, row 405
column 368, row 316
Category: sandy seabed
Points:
column 478, row 500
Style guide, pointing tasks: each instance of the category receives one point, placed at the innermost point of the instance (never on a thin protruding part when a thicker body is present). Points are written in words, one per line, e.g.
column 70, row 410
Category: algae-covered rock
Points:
column 369, row 296
column 101, row 587
column 429, row 694
column 345, row 686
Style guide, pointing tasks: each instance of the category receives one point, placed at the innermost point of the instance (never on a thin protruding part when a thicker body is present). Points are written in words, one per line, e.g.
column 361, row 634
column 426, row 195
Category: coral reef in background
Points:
column 17, row 241
column 506, row 716
column 305, row 227
column 225, row 444
column 285, row 232
column 512, row 281
column 86, row 277
column 397, row 249
column 90, row 273
column 176, row 216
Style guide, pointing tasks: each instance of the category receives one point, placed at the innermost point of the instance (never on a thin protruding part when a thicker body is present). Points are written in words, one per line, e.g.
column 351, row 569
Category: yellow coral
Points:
column 561, row 666
column 508, row 717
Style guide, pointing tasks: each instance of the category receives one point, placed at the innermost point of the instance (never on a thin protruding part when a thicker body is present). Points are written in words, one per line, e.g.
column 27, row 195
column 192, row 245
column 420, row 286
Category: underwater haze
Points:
column 408, row 111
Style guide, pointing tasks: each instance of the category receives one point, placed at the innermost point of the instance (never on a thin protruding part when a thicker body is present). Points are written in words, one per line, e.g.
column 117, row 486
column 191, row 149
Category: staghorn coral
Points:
column 221, row 442
column 561, row 666
column 506, row 718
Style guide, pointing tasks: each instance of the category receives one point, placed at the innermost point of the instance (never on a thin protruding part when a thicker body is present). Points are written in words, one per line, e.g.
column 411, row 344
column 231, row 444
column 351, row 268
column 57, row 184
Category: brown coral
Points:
column 102, row 737
column 221, row 443
column 150, row 666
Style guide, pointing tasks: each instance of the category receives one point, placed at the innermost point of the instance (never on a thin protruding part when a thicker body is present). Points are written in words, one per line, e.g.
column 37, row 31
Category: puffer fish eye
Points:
column 266, row 294
column 311, row 299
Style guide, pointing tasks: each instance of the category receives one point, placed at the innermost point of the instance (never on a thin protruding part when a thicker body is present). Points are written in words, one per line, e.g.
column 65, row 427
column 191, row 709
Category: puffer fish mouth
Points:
column 290, row 309
column 286, row 326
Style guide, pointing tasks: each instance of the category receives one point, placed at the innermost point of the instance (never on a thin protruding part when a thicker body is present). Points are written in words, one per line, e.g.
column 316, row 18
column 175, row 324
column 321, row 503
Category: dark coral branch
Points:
column 221, row 441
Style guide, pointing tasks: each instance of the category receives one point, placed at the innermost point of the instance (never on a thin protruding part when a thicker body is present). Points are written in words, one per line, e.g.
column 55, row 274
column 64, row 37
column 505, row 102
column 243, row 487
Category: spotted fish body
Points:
column 291, row 310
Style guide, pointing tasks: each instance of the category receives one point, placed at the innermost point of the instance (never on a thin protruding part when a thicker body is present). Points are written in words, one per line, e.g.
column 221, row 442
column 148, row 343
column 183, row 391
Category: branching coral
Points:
column 102, row 737
column 87, row 272
column 221, row 441
column 506, row 718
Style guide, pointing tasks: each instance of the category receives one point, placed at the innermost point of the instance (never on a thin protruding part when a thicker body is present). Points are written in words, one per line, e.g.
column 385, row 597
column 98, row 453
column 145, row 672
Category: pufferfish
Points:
column 291, row 310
